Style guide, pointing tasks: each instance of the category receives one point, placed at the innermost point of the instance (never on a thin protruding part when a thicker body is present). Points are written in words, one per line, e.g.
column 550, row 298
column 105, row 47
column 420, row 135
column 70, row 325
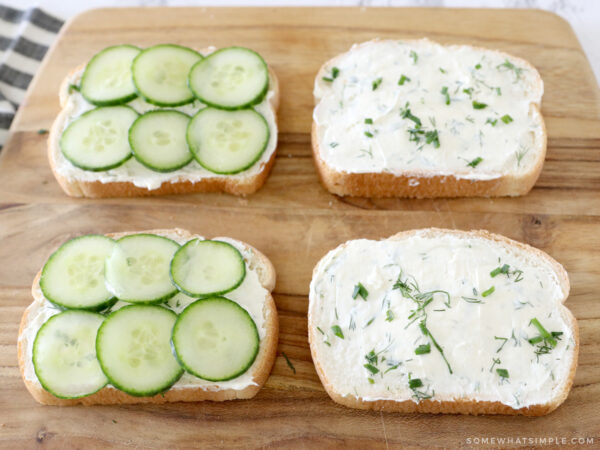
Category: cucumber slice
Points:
column 73, row 276
column 160, row 74
column 227, row 142
column 134, row 350
column 157, row 139
column 201, row 268
column 215, row 339
column 64, row 355
column 107, row 77
column 98, row 139
column 230, row 78
column 137, row 271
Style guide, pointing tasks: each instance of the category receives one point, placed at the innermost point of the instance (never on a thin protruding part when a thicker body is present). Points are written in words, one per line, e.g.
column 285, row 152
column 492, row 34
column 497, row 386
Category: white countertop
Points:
column 583, row 15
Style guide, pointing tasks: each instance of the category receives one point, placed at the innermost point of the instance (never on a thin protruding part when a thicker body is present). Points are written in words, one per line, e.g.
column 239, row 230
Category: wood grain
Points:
column 294, row 221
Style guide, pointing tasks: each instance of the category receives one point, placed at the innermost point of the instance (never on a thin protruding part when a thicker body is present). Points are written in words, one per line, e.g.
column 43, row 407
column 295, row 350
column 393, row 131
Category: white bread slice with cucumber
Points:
column 496, row 337
column 132, row 179
column 418, row 119
column 188, row 388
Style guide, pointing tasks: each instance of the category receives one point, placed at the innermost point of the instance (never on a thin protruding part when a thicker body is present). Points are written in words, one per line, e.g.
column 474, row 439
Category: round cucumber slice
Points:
column 157, row 139
column 107, row 77
column 230, row 78
column 73, row 276
column 98, row 139
column 215, row 339
column 137, row 271
column 64, row 355
column 134, row 350
column 227, row 142
column 201, row 268
column 160, row 74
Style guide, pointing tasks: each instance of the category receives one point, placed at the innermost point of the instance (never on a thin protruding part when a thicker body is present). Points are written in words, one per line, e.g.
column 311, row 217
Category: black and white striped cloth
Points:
column 25, row 36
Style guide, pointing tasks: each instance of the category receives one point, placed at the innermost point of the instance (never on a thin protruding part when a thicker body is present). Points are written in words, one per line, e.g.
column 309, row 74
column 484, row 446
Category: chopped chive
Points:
column 328, row 79
column 403, row 79
column 414, row 56
column 371, row 368
column 389, row 315
column 535, row 340
column 371, row 357
column 368, row 134
column 442, row 70
column 547, row 336
column 333, row 144
column 321, row 331
column 490, row 291
column 502, row 372
column 506, row 119
column 498, row 270
column 337, row 331
column 468, row 91
column 73, row 87
column 498, row 91
column 369, row 322
column 371, row 380
column 491, row 121
column 415, row 383
column 376, row 83
column 477, row 66
column 431, row 137
column 359, row 289
column 289, row 363
column 445, row 93
column 475, row 162
column 335, row 72
column 369, row 121
column 423, row 349
column 478, row 105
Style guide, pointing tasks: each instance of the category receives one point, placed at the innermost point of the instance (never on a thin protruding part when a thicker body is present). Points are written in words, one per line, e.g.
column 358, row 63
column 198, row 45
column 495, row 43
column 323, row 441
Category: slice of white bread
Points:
column 134, row 180
column 188, row 388
column 379, row 159
column 479, row 329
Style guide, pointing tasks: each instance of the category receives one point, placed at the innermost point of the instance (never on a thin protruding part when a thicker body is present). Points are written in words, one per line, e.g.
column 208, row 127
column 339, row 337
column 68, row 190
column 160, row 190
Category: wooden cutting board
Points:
column 295, row 222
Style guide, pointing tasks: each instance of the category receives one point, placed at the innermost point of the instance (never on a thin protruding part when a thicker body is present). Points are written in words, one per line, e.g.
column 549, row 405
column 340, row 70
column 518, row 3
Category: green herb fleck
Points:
column 337, row 331
column 506, row 119
column 42, row 131
column 475, row 162
column 389, row 315
column 414, row 56
column 468, row 91
column 500, row 339
column 442, row 70
column 73, row 87
column 426, row 332
column 477, row 66
column 478, row 105
column 371, row 380
column 508, row 66
column 492, row 122
column 371, row 368
column 359, row 289
column 403, row 79
column 334, row 74
column 368, row 134
column 445, row 93
column 369, row 322
column 498, row 270
column 376, row 83
column 489, row 291
column 321, row 331
column 502, row 372
column 289, row 363
column 432, row 137
column 415, row 383
column 333, row 144
column 423, row 349
column 369, row 121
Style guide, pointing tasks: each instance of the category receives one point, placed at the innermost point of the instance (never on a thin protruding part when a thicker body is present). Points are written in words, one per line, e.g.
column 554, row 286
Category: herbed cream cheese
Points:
column 251, row 295
column 134, row 172
column 423, row 108
column 482, row 325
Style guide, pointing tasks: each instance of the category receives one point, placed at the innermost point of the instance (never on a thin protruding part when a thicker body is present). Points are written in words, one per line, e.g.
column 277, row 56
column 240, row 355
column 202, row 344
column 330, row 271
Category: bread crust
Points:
column 427, row 184
column 112, row 396
column 459, row 406
column 96, row 189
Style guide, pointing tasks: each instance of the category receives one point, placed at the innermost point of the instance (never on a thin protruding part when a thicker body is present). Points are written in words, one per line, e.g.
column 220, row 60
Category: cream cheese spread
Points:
column 134, row 172
column 422, row 108
column 482, row 325
column 251, row 295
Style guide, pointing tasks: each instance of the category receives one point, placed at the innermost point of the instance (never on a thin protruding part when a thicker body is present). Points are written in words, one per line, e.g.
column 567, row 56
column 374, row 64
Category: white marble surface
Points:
column 583, row 15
